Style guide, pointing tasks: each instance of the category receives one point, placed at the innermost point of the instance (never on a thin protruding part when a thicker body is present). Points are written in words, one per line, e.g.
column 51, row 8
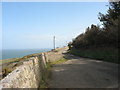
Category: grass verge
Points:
column 58, row 61
column 46, row 75
column 105, row 54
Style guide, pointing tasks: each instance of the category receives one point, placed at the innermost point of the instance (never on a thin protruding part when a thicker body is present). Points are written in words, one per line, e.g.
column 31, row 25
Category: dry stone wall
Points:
column 51, row 57
column 29, row 74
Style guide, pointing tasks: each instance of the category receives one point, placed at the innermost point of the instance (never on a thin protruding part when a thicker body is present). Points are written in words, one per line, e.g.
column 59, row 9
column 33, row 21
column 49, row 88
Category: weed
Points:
column 46, row 74
column 58, row 61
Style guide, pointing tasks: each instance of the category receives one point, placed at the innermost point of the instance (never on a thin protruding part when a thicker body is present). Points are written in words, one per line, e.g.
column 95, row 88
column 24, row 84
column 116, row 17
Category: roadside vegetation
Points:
column 45, row 76
column 104, row 54
column 58, row 61
column 100, row 42
column 47, row 72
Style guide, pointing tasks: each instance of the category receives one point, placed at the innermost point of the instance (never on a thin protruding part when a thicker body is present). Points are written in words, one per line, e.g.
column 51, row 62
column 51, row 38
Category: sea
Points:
column 16, row 53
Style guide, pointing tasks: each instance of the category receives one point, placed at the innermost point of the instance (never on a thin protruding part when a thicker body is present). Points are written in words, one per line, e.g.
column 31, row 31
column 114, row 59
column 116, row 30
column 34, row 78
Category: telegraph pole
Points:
column 66, row 43
column 54, row 42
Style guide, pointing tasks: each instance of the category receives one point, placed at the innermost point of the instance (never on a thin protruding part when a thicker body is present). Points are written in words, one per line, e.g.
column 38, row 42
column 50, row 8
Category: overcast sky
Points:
column 32, row 25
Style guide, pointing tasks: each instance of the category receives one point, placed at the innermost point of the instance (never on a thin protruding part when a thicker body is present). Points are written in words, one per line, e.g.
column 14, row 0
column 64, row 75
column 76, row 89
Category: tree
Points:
column 95, row 36
column 111, row 22
column 112, row 14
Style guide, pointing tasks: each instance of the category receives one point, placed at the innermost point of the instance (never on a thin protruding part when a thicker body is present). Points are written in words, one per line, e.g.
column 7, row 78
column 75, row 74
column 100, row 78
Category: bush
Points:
column 108, row 54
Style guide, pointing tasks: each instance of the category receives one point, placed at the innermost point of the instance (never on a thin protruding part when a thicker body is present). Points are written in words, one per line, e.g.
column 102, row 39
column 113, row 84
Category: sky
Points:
column 32, row 25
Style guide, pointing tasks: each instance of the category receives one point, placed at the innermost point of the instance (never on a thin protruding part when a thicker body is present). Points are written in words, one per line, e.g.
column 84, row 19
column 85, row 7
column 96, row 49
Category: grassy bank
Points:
column 104, row 54
column 13, row 60
column 8, row 65
column 9, row 60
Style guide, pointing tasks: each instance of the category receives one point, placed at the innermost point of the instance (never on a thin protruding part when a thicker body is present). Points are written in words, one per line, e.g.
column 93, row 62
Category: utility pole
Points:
column 54, row 42
column 66, row 43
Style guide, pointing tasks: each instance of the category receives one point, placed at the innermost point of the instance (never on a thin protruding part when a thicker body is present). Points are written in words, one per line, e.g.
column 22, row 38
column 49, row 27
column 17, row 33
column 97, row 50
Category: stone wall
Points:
column 29, row 74
column 52, row 56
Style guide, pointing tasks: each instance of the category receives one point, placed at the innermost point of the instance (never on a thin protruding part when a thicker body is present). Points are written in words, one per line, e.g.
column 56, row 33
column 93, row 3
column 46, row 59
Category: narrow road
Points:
column 79, row 72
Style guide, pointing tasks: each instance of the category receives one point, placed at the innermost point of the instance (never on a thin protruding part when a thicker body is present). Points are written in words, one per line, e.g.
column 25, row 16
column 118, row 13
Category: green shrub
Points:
column 105, row 54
